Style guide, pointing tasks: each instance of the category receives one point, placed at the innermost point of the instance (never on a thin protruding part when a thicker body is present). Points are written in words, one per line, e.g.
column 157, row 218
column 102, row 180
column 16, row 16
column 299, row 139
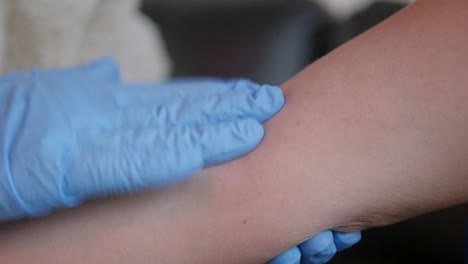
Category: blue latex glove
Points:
column 319, row 249
column 75, row 134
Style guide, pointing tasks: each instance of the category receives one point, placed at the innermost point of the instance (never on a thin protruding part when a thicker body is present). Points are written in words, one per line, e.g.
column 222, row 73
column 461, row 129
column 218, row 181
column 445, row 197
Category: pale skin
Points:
column 374, row 133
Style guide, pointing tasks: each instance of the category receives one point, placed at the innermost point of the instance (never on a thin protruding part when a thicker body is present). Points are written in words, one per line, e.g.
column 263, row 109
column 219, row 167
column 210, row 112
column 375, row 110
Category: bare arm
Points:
column 374, row 133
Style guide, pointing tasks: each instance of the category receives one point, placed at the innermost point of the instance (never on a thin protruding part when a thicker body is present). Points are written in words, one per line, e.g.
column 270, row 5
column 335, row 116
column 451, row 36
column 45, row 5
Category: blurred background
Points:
column 269, row 41
column 265, row 40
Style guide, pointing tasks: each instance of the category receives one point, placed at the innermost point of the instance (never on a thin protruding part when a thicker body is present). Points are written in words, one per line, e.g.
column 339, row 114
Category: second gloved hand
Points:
column 71, row 135
column 319, row 249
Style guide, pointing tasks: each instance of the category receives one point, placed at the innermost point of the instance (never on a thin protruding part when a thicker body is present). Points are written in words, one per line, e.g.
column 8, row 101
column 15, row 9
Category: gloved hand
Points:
column 319, row 249
column 75, row 134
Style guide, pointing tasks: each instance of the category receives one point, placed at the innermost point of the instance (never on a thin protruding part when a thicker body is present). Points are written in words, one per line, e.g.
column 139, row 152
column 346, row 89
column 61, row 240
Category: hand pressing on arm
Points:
column 374, row 133
column 82, row 134
column 75, row 134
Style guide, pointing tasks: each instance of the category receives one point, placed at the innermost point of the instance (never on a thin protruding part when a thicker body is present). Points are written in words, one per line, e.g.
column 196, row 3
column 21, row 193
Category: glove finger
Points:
column 346, row 240
column 227, row 141
column 149, row 93
column 319, row 249
column 291, row 256
column 137, row 159
column 187, row 109
column 194, row 88
column 209, row 84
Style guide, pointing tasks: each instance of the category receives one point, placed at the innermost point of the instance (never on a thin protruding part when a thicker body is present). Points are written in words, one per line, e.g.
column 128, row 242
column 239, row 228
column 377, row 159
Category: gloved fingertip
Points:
column 271, row 98
column 319, row 249
column 233, row 141
column 291, row 256
column 248, row 131
column 346, row 240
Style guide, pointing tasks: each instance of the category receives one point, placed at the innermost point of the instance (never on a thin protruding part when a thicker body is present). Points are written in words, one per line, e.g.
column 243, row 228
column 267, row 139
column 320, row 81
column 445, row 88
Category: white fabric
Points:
column 58, row 33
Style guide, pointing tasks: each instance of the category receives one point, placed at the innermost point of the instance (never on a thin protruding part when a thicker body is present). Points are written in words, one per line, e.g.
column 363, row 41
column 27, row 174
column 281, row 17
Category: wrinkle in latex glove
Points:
column 75, row 134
